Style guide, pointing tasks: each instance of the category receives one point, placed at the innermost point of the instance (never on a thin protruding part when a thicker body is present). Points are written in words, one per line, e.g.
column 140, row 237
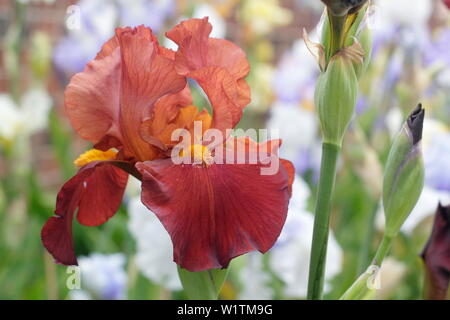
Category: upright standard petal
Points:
column 108, row 101
column 219, row 67
column 217, row 212
column 147, row 75
column 96, row 190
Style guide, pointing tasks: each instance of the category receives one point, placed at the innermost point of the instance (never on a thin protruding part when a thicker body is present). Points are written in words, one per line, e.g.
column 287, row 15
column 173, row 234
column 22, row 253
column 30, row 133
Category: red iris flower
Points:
column 127, row 102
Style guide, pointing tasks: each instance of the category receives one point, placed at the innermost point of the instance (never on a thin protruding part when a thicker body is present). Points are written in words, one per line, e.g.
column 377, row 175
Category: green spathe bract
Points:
column 335, row 98
column 203, row 285
column 404, row 175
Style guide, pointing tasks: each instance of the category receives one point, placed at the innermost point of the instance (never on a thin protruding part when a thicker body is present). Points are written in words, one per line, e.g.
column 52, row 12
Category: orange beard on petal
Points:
column 95, row 155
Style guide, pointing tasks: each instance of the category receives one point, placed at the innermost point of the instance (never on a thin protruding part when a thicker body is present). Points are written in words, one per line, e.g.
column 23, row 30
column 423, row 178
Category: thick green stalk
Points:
column 327, row 178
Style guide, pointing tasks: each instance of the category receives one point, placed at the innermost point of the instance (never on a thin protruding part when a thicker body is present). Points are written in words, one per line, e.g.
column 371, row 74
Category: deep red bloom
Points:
column 436, row 256
column 132, row 97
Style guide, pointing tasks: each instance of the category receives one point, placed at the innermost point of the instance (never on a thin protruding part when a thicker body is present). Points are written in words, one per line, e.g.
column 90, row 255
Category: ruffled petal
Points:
column 92, row 99
column 218, row 65
column 108, row 48
column 197, row 50
column 117, row 91
column 147, row 75
column 215, row 213
column 96, row 190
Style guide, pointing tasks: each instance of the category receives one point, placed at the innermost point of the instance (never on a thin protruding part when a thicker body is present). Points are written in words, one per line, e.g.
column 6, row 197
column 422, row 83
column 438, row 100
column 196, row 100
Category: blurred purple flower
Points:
column 150, row 13
column 79, row 46
column 102, row 277
column 361, row 104
column 437, row 162
column 437, row 50
column 295, row 75
column 98, row 21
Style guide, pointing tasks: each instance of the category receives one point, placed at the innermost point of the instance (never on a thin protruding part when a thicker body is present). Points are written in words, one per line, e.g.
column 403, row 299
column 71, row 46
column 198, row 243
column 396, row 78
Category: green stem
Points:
column 384, row 247
column 360, row 289
column 330, row 154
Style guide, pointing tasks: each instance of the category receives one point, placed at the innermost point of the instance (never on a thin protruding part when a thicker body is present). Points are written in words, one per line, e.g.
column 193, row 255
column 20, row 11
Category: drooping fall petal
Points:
column 217, row 212
column 96, row 191
column 219, row 67
column 436, row 256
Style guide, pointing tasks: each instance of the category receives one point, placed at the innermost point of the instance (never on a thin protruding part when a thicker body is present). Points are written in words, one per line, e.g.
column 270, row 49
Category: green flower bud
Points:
column 336, row 93
column 404, row 173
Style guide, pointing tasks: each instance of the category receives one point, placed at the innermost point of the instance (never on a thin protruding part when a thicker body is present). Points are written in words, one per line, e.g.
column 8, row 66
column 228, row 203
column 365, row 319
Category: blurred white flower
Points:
column 394, row 121
column 403, row 13
column 297, row 128
column 102, row 277
column 402, row 21
column 11, row 118
column 26, row 119
column 36, row 104
column 154, row 255
column 255, row 281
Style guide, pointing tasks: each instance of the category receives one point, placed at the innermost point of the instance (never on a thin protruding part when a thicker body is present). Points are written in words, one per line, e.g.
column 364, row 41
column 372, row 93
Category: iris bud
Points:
column 404, row 173
column 335, row 95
